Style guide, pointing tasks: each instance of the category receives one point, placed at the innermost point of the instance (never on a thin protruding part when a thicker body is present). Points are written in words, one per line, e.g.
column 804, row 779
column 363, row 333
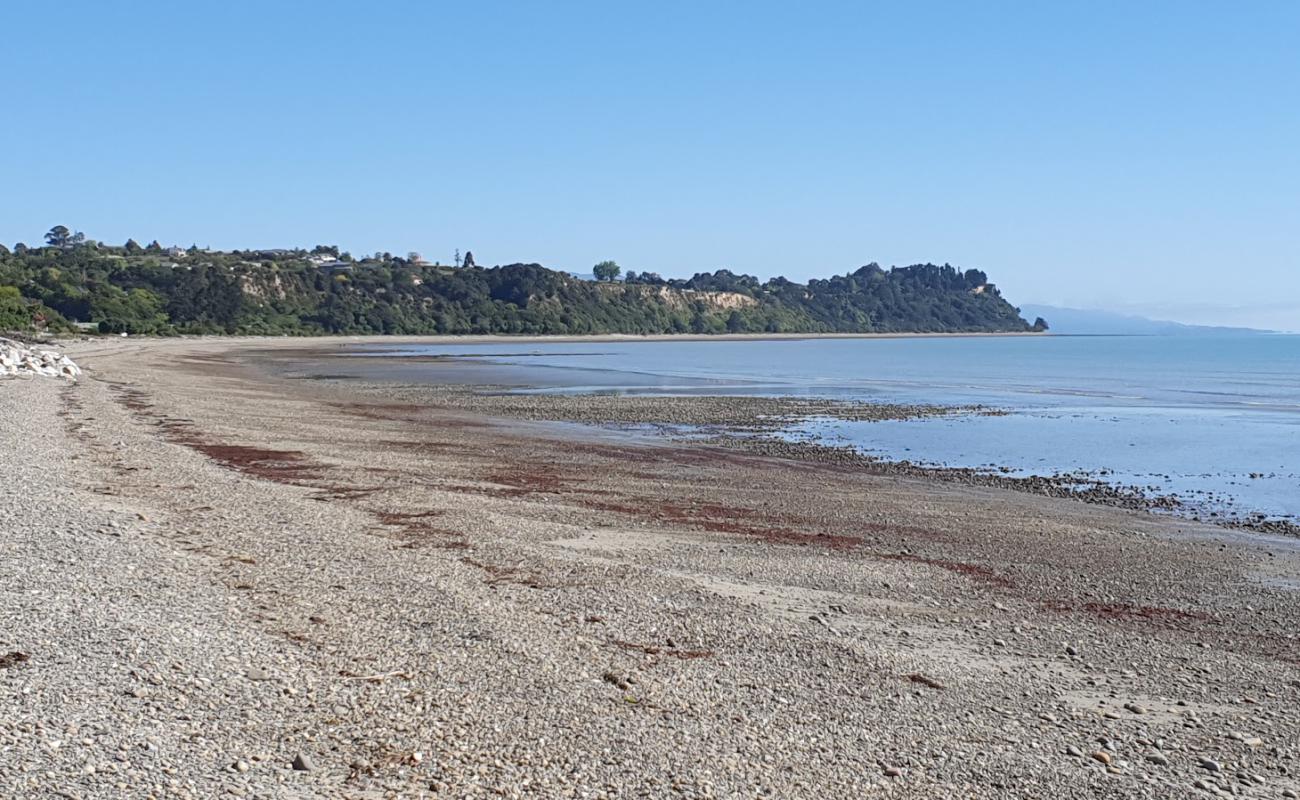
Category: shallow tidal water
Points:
column 1214, row 420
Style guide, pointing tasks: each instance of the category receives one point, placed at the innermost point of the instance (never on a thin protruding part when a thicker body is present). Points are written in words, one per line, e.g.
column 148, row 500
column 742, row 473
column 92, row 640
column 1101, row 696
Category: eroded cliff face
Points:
column 258, row 288
column 685, row 298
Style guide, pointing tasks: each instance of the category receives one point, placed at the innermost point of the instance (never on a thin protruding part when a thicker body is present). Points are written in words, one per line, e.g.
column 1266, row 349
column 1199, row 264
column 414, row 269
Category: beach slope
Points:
column 218, row 581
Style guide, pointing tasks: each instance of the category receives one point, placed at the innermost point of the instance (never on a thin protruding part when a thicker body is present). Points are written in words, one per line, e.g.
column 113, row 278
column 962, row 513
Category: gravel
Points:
column 215, row 578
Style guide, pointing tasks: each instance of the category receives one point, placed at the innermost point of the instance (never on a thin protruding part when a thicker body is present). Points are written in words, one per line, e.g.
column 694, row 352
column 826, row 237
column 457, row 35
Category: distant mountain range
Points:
column 1081, row 321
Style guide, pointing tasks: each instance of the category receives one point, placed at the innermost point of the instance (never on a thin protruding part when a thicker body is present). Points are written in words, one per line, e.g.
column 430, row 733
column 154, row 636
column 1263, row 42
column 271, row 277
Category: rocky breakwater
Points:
column 20, row 361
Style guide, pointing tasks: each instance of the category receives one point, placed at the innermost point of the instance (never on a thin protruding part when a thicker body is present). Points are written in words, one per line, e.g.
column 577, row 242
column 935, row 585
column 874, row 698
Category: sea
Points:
column 1213, row 420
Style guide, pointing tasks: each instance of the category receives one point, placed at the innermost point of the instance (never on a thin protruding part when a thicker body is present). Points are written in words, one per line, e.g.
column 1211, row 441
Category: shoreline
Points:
column 498, row 338
column 754, row 423
column 234, row 571
column 693, row 412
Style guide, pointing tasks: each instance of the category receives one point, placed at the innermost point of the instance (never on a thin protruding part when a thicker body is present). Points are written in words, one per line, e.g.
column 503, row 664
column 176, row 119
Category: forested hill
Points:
column 149, row 290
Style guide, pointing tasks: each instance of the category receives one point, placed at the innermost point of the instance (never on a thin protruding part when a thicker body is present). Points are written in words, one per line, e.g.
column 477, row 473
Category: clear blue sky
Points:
column 1138, row 156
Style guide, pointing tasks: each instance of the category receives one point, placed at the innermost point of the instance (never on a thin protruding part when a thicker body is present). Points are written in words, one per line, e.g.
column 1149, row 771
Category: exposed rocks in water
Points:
column 1261, row 524
column 734, row 413
column 753, row 424
column 1074, row 487
column 19, row 361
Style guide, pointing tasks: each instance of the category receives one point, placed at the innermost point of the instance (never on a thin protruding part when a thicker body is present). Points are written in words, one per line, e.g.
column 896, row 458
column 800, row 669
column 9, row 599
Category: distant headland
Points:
column 71, row 283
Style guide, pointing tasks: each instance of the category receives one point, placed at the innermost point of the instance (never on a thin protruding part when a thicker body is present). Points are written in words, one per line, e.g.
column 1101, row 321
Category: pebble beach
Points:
column 221, row 580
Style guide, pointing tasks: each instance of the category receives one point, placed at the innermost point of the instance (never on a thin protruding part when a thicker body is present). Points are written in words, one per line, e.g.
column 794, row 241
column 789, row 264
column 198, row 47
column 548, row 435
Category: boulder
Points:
column 19, row 361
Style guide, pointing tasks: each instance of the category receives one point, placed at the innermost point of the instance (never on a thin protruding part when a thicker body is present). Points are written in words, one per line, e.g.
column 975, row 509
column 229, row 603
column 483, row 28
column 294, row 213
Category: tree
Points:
column 14, row 313
column 606, row 271
column 132, row 247
column 59, row 236
column 469, row 259
column 218, row 292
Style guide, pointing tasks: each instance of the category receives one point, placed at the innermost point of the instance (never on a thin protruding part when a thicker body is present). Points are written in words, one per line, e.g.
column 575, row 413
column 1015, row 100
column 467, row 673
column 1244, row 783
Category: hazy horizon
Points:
column 1134, row 159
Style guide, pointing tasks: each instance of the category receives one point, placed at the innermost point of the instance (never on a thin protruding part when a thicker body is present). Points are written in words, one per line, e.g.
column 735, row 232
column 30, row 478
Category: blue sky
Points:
column 1134, row 156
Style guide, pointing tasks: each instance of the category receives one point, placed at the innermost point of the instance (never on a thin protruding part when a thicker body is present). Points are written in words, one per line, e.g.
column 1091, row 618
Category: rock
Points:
column 1210, row 765
column 1134, row 708
column 13, row 659
column 893, row 772
column 1102, row 756
column 19, row 361
column 1159, row 759
column 1074, row 751
column 303, row 763
column 617, row 680
column 241, row 766
column 925, row 680
column 257, row 674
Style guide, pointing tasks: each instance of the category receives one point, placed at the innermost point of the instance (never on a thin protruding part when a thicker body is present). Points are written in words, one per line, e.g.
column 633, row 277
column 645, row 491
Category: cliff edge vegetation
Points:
column 71, row 283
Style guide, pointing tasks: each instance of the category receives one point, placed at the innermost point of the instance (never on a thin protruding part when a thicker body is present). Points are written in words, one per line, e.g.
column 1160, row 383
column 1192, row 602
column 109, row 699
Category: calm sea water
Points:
column 1189, row 415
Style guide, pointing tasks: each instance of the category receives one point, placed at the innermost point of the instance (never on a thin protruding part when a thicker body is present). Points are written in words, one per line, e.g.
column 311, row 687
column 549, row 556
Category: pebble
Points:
column 443, row 729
